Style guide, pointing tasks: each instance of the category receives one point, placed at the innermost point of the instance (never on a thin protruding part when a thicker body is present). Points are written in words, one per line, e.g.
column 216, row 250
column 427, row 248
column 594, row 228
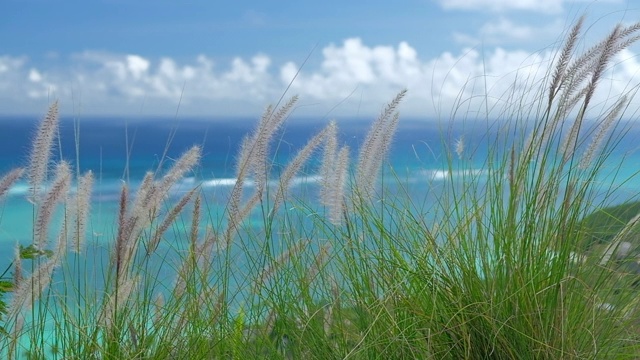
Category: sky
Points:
column 219, row 59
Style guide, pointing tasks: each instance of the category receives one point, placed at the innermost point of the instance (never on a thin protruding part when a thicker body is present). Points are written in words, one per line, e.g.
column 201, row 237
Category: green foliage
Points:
column 601, row 226
column 30, row 252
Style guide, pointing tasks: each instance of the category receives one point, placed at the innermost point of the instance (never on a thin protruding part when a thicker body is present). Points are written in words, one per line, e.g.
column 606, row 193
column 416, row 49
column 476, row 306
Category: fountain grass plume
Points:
column 41, row 150
column 333, row 196
column 252, row 159
column 604, row 128
column 134, row 220
column 9, row 179
column 168, row 221
column 268, row 126
column 295, row 165
column 375, row 147
column 82, row 209
column 334, row 173
column 563, row 61
column 52, row 197
column 327, row 166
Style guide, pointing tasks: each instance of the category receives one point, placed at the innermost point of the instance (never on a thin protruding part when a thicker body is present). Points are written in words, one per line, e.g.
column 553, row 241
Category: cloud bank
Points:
column 352, row 79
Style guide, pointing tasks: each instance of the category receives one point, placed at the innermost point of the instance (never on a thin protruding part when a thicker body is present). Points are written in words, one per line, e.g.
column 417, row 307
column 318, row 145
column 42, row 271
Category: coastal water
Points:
column 120, row 150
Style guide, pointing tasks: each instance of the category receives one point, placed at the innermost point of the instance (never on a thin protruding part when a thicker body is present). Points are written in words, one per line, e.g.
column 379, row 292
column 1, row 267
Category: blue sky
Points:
column 232, row 58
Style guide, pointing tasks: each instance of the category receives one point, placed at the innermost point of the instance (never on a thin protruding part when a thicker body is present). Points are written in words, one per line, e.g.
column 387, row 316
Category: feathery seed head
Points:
column 205, row 251
column 296, row 164
column 83, row 205
column 329, row 156
column 375, row 147
column 459, row 147
column 268, row 271
column 55, row 194
column 559, row 73
column 17, row 270
column 8, row 180
column 195, row 221
column 333, row 196
column 41, row 151
column 258, row 145
column 184, row 164
column 145, row 193
column 603, row 130
column 168, row 220
column 123, row 226
column 116, row 301
column 319, row 261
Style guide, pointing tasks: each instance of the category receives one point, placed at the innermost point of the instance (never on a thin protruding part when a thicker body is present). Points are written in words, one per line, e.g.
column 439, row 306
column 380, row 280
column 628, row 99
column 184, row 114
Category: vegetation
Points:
column 498, row 272
column 603, row 225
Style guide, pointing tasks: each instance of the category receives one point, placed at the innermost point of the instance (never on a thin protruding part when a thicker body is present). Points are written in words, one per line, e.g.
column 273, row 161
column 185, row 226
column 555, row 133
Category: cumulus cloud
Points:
column 353, row 78
column 133, row 80
column 18, row 83
column 354, row 65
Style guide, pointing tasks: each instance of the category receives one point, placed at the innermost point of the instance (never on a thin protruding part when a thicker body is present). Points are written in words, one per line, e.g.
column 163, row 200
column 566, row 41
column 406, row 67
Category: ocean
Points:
column 120, row 150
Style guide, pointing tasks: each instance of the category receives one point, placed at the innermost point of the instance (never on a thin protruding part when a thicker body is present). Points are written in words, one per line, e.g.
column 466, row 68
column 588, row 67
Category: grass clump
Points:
column 494, row 268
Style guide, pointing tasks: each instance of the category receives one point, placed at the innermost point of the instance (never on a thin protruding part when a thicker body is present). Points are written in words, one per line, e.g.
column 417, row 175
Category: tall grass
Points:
column 500, row 269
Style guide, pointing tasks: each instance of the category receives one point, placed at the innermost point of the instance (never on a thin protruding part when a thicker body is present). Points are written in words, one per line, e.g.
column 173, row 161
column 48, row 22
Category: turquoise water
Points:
column 417, row 161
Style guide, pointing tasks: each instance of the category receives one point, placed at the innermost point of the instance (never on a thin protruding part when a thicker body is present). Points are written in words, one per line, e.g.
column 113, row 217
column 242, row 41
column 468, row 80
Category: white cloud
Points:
column 505, row 31
column 132, row 77
column 543, row 6
column 137, row 65
column 501, row 6
column 352, row 79
column 10, row 64
column 504, row 27
column 18, row 85
column 378, row 71
column 34, row 76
